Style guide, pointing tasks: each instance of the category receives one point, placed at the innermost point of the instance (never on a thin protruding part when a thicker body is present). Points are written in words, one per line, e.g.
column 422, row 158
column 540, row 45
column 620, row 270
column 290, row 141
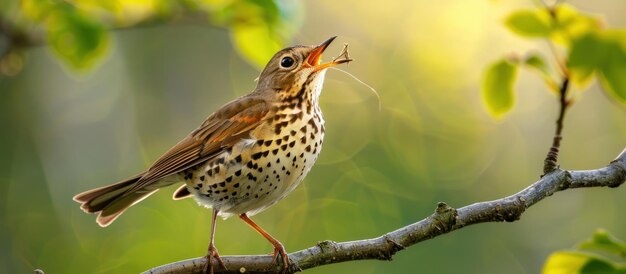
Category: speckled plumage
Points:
column 258, row 171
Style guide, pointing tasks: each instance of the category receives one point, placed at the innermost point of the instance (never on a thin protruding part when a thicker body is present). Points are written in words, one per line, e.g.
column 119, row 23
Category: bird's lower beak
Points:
column 315, row 57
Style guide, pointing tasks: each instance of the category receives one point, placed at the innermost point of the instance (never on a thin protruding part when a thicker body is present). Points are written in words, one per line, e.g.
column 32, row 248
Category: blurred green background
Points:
column 64, row 132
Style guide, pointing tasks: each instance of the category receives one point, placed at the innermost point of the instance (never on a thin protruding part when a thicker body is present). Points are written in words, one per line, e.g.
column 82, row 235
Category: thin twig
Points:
column 444, row 220
column 551, row 162
column 19, row 39
column 558, row 59
column 16, row 38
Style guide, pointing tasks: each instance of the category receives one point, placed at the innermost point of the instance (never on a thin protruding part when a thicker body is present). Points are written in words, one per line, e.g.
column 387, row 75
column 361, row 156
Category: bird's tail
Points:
column 111, row 201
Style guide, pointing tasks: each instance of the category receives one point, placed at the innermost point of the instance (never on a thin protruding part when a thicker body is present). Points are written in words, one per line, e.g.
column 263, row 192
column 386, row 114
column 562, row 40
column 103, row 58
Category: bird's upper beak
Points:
column 315, row 57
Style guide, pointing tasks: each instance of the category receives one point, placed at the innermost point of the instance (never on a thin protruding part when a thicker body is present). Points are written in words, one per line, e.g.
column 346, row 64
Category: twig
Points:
column 444, row 220
column 344, row 56
column 551, row 162
column 16, row 38
column 19, row 39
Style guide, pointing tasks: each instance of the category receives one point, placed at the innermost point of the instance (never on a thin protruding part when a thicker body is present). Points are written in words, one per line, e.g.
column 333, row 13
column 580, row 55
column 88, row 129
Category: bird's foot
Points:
column 279, row 249
column 212, row 253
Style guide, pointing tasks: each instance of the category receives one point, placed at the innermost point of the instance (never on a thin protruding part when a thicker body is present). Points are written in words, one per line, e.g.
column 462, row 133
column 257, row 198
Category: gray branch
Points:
column 444, row 220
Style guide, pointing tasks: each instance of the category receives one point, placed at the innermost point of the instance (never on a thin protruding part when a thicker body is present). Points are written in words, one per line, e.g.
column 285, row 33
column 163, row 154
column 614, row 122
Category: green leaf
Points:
column 76, row 39
column 36, row 9
column 497, row 87
column 603, row 254
column 603, row 52
column 255, row 42
column 252, row 12
column 587, row 53
column 598, row 266
column 612, row 72
column 565, row 263
column 561, row 25
column 529, row 23
column 571, row 24
column 603, row 241
column 258, row 27
column 537, row 62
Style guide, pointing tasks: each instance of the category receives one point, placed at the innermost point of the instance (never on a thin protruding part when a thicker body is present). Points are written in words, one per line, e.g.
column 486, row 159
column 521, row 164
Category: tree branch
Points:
column 444, row 220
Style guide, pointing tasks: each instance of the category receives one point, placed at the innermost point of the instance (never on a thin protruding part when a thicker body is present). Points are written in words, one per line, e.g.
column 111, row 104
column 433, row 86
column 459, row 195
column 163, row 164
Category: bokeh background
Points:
column 64, row 132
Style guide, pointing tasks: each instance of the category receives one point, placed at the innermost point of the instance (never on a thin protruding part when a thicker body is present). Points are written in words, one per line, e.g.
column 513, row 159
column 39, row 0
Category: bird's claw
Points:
column 280, row 250
column 212, row 253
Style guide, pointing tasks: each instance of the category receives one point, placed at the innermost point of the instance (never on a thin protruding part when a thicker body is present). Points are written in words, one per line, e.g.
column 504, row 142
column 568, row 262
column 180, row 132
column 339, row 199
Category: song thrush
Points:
column 244, row 157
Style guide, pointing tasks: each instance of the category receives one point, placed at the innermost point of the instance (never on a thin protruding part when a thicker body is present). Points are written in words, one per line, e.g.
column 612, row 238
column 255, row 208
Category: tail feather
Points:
column 119, row 205
column 111, row 201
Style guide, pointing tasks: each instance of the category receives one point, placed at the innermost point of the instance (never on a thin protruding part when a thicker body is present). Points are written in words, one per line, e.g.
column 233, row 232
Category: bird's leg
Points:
column 279, row 249
column 212, row 251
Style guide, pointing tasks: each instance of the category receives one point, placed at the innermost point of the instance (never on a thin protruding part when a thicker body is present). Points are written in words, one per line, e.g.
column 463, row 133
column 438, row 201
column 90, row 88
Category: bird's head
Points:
column 296, row 72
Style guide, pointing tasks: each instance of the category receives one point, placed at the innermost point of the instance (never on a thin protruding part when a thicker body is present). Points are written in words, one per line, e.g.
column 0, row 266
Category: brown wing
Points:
column 218, row 132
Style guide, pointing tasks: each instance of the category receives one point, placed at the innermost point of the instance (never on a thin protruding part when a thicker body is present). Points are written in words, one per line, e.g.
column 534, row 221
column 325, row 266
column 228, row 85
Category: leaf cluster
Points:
column 79, row 31
column 582, row 48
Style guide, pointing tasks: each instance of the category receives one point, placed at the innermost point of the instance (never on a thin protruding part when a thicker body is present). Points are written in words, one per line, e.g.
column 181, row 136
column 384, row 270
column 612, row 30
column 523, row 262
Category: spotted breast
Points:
column 256, row 173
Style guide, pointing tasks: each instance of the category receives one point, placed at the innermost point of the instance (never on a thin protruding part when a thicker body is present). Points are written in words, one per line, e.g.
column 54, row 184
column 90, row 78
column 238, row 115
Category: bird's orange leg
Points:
column 212, row 251
column 279, row 249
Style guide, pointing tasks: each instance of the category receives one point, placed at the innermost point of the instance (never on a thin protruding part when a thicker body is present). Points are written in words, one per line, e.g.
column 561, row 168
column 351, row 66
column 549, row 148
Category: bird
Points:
column 244, row 157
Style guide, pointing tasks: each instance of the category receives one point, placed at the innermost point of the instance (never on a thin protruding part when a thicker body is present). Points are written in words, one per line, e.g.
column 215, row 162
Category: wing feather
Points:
column 217, row 133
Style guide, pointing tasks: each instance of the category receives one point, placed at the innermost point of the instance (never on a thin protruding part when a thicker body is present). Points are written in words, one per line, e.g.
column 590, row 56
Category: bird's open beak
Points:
column 315, row 57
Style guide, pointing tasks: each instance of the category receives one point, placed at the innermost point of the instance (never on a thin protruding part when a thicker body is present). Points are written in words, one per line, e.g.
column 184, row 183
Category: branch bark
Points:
column 445, row 219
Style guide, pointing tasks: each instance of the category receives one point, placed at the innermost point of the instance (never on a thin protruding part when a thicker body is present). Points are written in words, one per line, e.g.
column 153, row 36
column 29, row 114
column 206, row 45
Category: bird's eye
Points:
column 287, row 62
